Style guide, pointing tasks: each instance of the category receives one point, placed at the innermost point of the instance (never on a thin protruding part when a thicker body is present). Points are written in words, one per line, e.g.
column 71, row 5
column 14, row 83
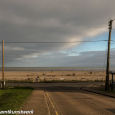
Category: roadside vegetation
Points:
column 110, row 91
column 19, row 81
column 68, row 81
column 13, row 98
column 52, row 81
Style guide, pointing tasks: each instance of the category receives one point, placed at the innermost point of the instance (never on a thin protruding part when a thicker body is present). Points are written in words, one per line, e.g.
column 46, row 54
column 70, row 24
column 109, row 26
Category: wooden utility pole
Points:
column 3, row 60
column 108, row 57
column 3, row 85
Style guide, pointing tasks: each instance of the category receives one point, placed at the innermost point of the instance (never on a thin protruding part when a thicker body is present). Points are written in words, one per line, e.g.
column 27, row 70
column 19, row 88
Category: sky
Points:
column 56, row 21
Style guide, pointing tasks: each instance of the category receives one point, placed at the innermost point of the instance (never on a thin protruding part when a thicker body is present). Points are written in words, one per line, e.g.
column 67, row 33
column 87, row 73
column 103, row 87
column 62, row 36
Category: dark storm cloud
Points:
column 50, row 21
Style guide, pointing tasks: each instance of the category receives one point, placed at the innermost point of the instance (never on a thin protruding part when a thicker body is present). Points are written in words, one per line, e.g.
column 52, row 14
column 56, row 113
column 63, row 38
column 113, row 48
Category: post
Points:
column 112, row 81
column 3, row 80
column 44, row 78
column 3, row 60
column 108, row 57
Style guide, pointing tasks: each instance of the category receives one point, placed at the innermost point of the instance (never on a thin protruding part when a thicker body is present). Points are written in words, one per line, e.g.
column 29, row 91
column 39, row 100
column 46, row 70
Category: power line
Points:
column 59, row 42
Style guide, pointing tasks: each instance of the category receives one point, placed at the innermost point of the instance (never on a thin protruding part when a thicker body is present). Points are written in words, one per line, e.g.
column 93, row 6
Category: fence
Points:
column 112, row 83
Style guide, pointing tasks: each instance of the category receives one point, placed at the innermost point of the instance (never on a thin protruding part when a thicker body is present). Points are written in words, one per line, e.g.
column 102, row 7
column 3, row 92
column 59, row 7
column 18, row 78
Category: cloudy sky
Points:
column 56, row 21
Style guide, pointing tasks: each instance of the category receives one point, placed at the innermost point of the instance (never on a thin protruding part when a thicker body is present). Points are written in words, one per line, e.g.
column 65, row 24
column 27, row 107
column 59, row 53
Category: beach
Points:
column 55, row 75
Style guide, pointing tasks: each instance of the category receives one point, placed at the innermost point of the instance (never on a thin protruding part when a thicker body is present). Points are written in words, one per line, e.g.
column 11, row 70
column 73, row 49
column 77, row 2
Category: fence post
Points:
column 112, row 81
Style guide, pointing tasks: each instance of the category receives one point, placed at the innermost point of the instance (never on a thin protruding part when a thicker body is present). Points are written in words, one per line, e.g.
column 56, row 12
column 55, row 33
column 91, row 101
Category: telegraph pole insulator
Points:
column 110, row 24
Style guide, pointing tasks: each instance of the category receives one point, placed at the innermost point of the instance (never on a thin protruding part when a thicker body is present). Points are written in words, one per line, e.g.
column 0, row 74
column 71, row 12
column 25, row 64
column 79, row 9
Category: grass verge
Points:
column 52, row 81
column 19, row 81
column 68, row 81
column 108, row 91
column 13, row 99
column 111, row 91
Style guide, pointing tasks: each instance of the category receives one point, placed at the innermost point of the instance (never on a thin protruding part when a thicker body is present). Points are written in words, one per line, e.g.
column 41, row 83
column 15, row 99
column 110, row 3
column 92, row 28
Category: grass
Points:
column 13, row 99
column 108, row 91
column 68, row 81
column 19, row 81
column 111, row 91
column 52, row 81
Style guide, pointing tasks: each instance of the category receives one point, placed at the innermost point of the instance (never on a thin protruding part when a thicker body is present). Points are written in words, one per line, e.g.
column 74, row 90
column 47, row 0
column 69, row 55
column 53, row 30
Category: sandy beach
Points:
column 54, row 75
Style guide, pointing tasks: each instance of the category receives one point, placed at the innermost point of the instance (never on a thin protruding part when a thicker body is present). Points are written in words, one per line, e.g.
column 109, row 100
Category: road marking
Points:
column 52, row 103
column 56, row 112
column 47, row 105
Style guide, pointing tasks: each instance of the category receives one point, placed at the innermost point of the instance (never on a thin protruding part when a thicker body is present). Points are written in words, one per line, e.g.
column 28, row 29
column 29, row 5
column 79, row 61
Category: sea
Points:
column 56, row 69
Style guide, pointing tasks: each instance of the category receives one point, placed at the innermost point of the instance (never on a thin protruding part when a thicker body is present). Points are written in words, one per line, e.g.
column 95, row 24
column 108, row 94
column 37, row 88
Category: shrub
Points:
column 73, row 74
column 68, row 74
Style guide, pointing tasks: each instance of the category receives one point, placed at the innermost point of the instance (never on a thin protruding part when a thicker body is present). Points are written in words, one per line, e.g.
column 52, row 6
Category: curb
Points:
column 99, row 92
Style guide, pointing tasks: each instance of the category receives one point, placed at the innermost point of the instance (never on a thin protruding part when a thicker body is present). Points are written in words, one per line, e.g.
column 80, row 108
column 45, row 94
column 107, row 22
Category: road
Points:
column 68, row 99
column 79, row 84
column 73, row 101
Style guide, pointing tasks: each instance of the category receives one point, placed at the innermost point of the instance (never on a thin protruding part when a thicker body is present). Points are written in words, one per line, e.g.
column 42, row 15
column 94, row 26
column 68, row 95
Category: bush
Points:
column 68, row 74
column 73, row 74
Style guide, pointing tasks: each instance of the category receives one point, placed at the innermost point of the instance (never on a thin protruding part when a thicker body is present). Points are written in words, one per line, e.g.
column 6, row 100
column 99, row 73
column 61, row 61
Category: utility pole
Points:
column 3, row 60
column 3, row 85
column 108, row 57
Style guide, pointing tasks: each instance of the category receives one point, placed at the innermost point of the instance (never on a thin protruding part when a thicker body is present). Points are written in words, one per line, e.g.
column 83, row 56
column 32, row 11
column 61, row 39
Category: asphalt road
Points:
column 79, row 84
column 68, row 99
column 73, row 101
